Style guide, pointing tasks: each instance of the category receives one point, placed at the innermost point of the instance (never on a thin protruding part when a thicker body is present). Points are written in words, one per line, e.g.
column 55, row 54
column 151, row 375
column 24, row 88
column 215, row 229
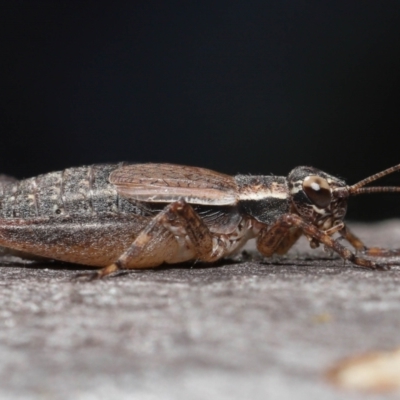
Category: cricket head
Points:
column 321, row 198
column 318, row 197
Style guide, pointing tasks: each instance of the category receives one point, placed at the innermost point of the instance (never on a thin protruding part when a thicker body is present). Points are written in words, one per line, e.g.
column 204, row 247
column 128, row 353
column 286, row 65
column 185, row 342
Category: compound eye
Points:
column 317, row 190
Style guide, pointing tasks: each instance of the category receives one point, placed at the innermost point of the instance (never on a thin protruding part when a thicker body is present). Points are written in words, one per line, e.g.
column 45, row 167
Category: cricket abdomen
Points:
column 75, row 239
column 74, row 191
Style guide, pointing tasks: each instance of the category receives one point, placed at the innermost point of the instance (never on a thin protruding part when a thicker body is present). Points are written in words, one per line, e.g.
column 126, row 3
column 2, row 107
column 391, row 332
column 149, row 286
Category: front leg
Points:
column 176, row 234
column 270, row 239
column 369, row 251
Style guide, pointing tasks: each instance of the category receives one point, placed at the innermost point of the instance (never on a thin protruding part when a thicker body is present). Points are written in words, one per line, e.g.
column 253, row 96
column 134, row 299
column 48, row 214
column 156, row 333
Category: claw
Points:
column 382, row 267
column 99, row 274
column 87, row 276
column 374, row 267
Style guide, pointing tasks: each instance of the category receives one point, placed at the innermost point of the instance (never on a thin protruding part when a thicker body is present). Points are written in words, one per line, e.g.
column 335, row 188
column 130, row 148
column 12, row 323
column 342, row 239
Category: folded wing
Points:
column 164, row 183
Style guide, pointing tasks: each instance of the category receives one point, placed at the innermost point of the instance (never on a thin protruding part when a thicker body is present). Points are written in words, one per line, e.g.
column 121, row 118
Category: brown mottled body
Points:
column 73, row 215
column 121, row 216
column 78, row 215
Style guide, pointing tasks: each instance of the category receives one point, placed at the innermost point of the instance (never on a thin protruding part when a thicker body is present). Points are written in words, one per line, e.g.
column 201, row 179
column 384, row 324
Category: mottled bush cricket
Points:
column 122, row 216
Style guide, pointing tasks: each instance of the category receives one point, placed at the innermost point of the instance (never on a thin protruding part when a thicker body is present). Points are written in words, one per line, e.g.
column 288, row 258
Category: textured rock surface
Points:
column 252, row 329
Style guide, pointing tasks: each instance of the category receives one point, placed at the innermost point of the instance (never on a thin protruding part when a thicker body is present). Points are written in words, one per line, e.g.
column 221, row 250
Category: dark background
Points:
column 236, row 86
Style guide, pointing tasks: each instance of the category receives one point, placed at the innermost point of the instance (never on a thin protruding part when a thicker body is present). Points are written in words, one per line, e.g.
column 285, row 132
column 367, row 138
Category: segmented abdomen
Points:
column 74, row 191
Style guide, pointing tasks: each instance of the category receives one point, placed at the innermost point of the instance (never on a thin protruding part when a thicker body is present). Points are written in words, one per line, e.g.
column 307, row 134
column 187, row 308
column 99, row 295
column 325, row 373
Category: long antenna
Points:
column 359, row 189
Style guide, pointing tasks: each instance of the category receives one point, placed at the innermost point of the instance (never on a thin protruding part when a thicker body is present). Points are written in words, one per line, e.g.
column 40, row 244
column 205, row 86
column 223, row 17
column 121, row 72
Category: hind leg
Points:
column 176, row 234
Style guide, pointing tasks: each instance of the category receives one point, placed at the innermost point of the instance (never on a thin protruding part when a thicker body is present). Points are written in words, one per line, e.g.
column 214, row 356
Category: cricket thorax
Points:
column 230, row 228
column 265, row 198
column 227, row 244
column 75, row 191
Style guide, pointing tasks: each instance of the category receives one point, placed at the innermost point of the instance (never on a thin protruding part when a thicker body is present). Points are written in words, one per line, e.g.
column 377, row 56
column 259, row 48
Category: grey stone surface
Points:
column 256, row 329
